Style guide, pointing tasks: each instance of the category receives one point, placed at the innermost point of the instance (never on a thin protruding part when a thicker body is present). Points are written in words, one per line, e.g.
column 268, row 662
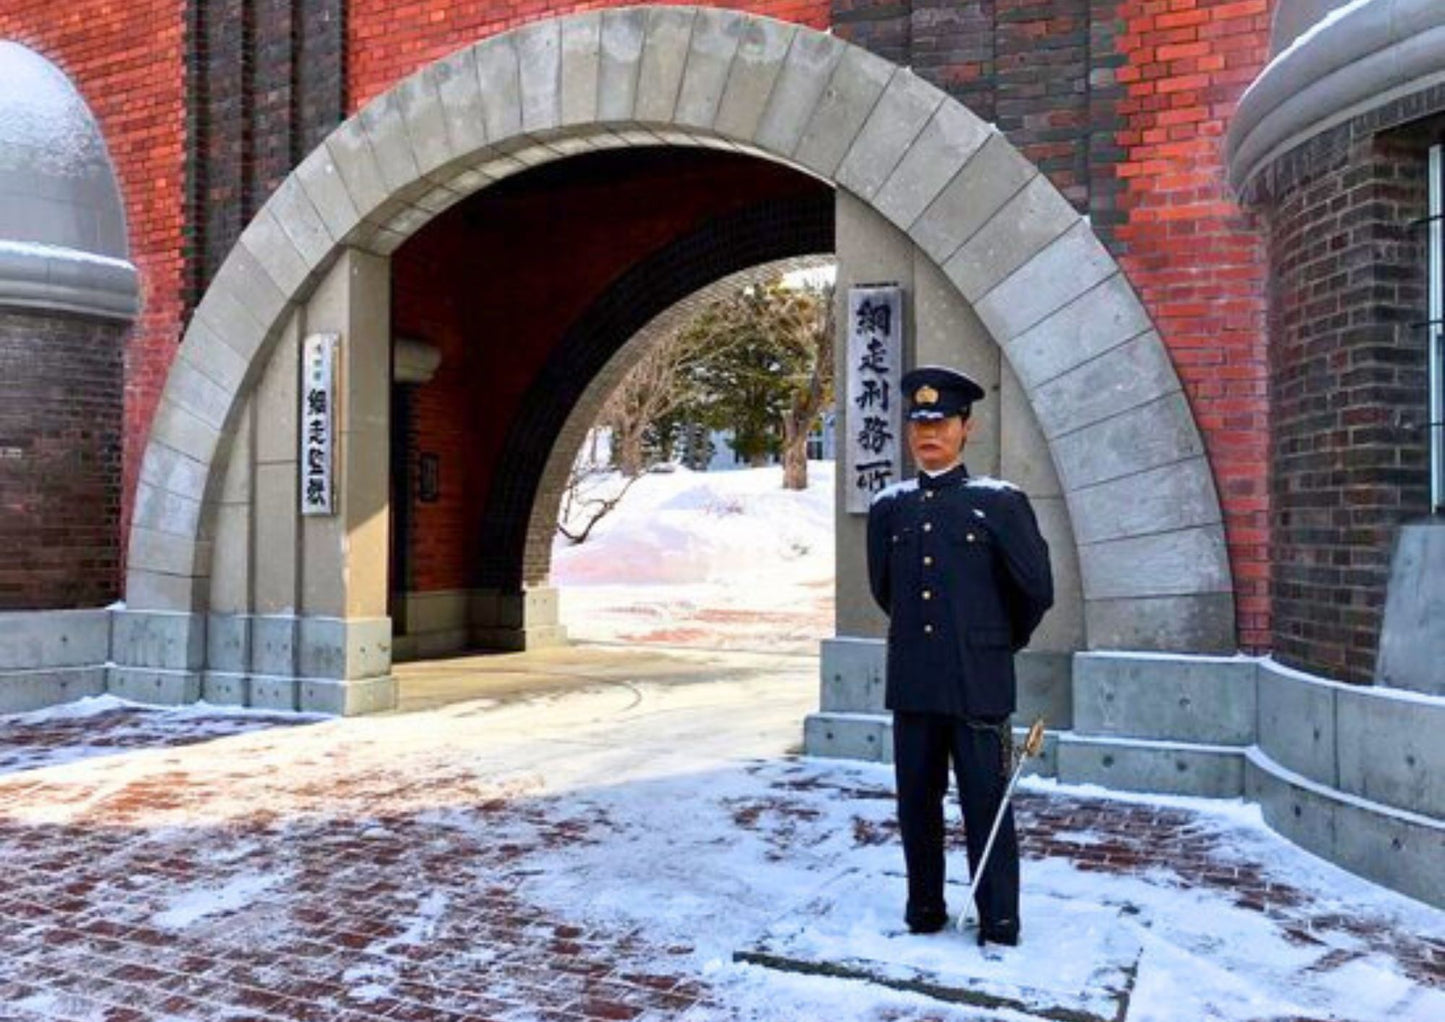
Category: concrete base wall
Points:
column 275, row 662
column 450, row 621
column 1355, row 774
column 269, row 661
column 51, row 656
column 1412, row 641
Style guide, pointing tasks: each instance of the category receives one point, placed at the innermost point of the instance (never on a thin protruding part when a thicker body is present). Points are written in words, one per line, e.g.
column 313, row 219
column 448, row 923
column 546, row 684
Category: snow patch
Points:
column 43, row 120
column 202, row 903
column 895, row 489
column 989, row 483
column 684, row 527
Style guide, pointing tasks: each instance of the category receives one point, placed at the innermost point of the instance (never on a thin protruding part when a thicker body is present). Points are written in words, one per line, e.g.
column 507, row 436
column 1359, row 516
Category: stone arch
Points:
column 542, row 520
column 763, row 233
column 1131, row 460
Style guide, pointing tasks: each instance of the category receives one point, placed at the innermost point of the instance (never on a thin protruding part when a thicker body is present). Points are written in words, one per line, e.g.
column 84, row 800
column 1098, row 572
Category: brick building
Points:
column 1188, row 243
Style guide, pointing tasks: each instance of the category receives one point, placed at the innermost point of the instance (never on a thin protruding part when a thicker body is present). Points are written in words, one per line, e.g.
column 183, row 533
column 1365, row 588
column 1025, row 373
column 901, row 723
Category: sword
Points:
column 1033, row 742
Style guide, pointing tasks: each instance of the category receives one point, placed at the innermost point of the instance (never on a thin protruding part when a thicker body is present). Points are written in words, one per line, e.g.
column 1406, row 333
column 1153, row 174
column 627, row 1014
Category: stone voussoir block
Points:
column 990, row 178
column 581, row 67
column 168, row 553
column 716, row 35
column 213, row 357
column 297, row 215
column 1047, row 282
column 1182, row 562
column 853, row 92
column 425, row 120
column 664, row 57
column 182, row 431
column 1132, row 374
column 164, row 467
column 1018, row 231
column 539, row 62
column 1175, row 496
column 320, row 179
column 224, row 312
column 154, row 590
column 906, row 107
column 385, row 128
column 1101, row 318
column 752, row 76
column 622, row 37
column 950, row 138
column 166, row 512
column 1197, row 622
column 801, row 83
column 460, row 94
column 273, row 250
column 192, row 390
column 1158, row 433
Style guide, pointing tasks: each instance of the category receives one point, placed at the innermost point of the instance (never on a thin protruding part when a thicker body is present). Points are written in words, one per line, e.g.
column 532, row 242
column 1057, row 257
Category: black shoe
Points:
column 1005, row 932
column 926, row 920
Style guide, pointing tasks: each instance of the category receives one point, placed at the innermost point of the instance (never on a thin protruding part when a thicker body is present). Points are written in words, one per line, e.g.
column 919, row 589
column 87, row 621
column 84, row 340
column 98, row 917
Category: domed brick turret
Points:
column 67, row 296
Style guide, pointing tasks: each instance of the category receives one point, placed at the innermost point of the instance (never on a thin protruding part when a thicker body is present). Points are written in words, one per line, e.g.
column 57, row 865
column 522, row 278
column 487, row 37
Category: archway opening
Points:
column 514, row 315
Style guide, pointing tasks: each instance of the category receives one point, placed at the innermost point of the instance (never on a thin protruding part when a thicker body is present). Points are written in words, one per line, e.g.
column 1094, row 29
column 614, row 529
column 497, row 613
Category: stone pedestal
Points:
column 516, row 621
column 1412, row 638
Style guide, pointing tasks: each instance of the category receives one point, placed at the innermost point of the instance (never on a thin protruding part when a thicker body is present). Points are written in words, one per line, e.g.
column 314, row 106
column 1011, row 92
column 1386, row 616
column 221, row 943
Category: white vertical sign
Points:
column 318, row 418
column 875, row 358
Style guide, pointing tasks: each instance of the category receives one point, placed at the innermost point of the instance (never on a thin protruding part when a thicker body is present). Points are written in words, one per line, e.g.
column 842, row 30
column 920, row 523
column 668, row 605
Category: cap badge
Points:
column 925, row 395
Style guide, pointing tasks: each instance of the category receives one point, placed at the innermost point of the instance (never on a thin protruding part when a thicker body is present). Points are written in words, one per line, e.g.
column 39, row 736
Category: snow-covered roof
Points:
column 62, row 224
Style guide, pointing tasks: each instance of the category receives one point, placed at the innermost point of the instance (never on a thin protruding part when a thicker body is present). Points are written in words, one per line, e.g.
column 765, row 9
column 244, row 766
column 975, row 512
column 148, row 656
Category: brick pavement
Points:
column 335, row 890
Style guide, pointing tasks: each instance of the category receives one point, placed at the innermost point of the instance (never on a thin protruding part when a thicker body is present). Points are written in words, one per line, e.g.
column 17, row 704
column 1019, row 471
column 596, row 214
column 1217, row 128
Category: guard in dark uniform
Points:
column 959, row 566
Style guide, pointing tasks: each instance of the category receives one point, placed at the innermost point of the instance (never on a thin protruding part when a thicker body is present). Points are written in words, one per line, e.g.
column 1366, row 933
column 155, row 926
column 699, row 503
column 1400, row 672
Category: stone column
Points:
column 343, row 658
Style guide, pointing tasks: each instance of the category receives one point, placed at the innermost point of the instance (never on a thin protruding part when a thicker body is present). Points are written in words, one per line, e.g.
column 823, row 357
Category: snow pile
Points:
column 719, row 560
column 686, row 527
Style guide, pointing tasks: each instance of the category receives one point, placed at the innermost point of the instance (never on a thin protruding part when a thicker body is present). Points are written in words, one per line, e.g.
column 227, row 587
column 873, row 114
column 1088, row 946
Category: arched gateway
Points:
column 315, row 260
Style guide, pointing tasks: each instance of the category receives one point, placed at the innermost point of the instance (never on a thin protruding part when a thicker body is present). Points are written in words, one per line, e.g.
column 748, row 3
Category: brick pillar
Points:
column 1347, row 371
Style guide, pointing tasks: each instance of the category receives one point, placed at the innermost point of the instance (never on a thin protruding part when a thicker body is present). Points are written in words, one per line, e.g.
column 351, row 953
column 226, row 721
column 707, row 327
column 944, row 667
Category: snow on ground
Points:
column 727, row 560
column 666, row 822
column 60, row 734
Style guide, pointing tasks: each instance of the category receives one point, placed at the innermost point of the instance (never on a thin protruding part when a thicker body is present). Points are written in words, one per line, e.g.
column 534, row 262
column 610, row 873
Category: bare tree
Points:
column 804, row 319
column 769, row 370
column 592, row 493
column 652, row 390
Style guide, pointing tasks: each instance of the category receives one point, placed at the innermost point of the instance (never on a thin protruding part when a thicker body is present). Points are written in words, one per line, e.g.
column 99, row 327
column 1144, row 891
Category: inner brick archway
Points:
column 1119, row 429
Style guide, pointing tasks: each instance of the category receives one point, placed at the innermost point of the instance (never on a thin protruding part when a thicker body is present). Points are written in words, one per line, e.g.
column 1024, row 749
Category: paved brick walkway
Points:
column 336, row 890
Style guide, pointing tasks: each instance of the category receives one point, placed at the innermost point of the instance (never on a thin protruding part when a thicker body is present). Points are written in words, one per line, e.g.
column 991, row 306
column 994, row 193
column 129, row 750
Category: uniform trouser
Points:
column 922, row 746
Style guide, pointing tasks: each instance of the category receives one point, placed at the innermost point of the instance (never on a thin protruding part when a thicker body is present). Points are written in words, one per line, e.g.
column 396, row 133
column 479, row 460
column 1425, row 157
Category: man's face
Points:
column 937, row 444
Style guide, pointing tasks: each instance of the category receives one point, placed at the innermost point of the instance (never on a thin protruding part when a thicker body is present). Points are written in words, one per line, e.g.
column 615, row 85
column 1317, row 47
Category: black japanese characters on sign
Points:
column 429, row 478
column 874, row 357
column 318, row 373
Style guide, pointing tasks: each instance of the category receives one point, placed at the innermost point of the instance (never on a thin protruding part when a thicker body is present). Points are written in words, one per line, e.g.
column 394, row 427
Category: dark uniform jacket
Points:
column 959, row 566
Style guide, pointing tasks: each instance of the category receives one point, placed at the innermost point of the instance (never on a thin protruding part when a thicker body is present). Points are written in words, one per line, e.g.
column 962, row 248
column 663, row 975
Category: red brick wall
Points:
column 391, row 40
column 127, row 60
column 1349, row 390
column 1197, row 260
column 60, row 427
